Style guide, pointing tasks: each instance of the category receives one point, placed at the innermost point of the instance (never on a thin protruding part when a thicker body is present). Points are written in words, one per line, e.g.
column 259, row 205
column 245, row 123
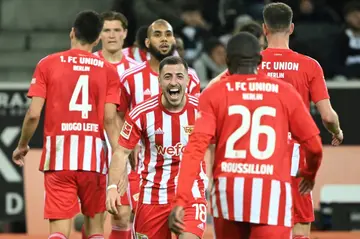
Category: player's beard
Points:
column 158, row 55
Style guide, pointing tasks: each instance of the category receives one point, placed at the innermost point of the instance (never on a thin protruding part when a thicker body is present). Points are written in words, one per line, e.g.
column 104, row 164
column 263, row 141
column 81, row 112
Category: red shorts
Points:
column 225, row 229
column 303, row 204
column 64, row 189
column 132, row 192
column 151, row 221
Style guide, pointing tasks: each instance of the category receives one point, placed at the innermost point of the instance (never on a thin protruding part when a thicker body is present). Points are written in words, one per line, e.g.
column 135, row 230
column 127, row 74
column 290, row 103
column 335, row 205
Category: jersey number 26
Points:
column 251, row 123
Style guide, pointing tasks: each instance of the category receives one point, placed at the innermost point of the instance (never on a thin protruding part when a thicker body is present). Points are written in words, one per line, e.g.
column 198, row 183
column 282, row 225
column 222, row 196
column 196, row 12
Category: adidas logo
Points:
column 147, row 92
column 159, row 131
column 201, row 226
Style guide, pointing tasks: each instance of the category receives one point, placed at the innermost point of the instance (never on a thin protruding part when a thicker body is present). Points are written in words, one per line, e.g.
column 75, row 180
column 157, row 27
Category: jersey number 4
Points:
column 82, row 86
column 251, row 123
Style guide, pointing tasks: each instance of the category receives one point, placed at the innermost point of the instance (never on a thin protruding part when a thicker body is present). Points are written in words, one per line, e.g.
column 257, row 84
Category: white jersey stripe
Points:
column 74, row 145
column 274, row 202
column 139, row 94
column 47, row 154
column 215, row 211
column 120, row 68
column 239, row 198
column 154, row 85
column 295, row 159
column 223, row 198
column 256, row 198
column 143, row 107
column 59, row 157
column 288, row 205
column 150, row 120
column 98, row 148
column 87, row 153
column 166, row 167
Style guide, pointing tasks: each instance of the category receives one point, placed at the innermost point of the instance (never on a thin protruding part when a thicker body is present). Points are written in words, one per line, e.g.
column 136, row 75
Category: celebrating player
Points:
column 164, row 123
column 112, row 39
column 251, row 197
column 138, row 51
column 81, row 93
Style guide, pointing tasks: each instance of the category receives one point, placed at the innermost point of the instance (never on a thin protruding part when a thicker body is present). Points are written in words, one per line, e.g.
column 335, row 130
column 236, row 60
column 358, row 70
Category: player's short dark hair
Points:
column 141, row 35
column 115, row 16
column 277, row 16
column 253, row 28
column 87, row 26
column 173, row 60
column 243, row 49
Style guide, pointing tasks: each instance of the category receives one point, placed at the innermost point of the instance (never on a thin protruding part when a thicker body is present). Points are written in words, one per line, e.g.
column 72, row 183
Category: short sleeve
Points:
column 113, row 91
column 38, row 86
column 318, row 89
column 130, row 133
column 206, row 118
column 124, row 99
column 302, row 125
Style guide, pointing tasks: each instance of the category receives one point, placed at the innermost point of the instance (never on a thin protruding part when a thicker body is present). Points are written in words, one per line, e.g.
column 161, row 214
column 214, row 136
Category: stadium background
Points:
column 31, row 29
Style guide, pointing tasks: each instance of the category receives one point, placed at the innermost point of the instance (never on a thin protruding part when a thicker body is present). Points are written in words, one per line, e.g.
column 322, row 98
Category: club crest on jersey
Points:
column 141, row 236
column 188, row 129
column 126, row 130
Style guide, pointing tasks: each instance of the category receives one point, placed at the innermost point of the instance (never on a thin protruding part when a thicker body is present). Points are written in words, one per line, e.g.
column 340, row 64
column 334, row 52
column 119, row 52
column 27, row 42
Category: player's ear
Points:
column 265, row 30
column 72, row 33
column 147, row 43
column 291, row 29
column 96, row 42
column 125, row 33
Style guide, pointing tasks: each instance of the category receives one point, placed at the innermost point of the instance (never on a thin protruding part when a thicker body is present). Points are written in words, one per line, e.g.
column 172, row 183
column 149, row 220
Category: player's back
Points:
column 76, row 85
column 251, row 169
column 301, row 71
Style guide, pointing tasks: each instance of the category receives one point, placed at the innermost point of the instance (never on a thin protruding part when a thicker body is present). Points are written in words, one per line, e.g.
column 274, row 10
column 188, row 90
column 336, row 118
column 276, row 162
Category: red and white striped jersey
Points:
column 136, row 53
column 251, row 171
column 76, row 85
column 164, row 136
column 125, row 63
column 141, row 83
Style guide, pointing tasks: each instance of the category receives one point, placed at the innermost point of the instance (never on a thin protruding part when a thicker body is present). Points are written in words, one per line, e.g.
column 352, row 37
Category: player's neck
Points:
column 154, row 64
column 245, row 70
column 78, row 46
column 280, row 41
column 112, row 57
column 171, row 108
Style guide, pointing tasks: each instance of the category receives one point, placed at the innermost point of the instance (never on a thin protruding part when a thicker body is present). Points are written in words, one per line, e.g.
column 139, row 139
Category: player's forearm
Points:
column 332, row 123
column 28, row 129
column 118, row 165
column 314, row 154
column 190, row 166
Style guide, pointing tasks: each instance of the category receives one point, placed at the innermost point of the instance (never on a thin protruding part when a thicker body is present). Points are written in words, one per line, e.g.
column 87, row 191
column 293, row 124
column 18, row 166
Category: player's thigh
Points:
column 92, row 185
column 225, row 229
column 195, row 219
column 151, row 221
column 302, row 204
column 261, row 231
column 122, row 219
column 61, row 201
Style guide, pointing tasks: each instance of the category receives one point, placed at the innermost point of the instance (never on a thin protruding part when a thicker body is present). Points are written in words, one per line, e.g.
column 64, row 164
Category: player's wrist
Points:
column 111, row 186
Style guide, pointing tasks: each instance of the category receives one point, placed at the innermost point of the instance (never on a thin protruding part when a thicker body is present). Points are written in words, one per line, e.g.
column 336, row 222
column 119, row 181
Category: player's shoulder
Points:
column 308, row 60
column 194, row 101
column 131, row 60
column 133, row 70
column 126, row 51
column 192, row 73
column 144, row 107
column 50, row 59
column 97, row 53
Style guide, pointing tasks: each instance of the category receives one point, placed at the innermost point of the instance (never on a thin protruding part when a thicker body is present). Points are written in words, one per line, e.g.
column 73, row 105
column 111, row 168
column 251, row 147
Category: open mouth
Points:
column 164, row 47
column 174, row 93
column 112, row 42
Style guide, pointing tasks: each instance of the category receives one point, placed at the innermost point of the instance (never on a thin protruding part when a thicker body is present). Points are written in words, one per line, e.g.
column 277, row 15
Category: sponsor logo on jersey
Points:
column 176, row 150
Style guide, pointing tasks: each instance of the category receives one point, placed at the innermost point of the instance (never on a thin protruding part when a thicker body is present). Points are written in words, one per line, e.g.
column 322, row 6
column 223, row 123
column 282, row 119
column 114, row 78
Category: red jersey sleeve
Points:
column 302, row 125
column 318, row 89
column 113, row 93
column 130, row 133
column 206, row 118
column 39, row 82
column 124, row 99
column 194, row 80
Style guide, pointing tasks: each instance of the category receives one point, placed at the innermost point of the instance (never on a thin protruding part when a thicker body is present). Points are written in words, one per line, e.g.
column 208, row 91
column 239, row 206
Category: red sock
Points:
column 83, row 235
column 96, row 236
column 117, row 233
column 300, row 237
column 57, row 235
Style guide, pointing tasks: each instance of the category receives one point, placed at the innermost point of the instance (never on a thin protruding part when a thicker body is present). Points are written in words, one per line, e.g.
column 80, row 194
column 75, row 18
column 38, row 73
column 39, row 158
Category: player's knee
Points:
column 122, row 219
column 301, row 229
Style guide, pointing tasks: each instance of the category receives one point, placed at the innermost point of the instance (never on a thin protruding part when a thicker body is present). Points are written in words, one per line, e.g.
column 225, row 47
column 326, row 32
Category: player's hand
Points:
column 176, row 223
column 306, row 186
column 112, row 201
column 337, row 138
column 19, row 155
